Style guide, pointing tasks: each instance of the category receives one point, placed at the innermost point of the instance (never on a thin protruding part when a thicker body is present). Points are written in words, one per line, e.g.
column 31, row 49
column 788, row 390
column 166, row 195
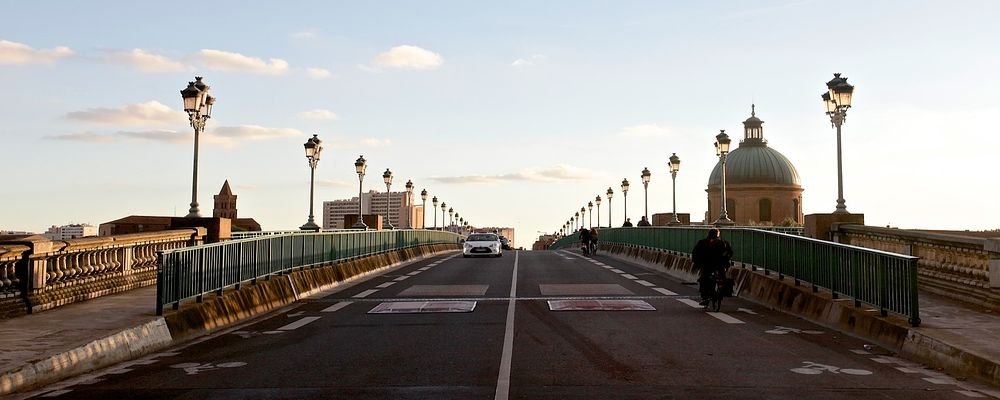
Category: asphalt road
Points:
column 493, row 329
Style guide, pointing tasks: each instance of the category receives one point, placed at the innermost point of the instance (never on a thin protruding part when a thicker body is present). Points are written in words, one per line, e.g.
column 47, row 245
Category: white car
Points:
column 482, row 244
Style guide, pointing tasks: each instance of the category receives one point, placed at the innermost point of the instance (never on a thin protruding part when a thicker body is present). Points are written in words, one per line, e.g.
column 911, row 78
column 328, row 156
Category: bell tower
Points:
column 225, row 203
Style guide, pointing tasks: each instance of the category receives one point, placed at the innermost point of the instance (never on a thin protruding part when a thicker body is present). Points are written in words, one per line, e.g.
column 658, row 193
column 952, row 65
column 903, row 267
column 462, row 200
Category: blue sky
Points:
column 515, row 113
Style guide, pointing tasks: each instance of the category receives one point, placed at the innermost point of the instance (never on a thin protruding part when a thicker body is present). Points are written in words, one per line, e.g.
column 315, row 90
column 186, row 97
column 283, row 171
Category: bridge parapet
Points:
column 38, row 274
column 958, row 267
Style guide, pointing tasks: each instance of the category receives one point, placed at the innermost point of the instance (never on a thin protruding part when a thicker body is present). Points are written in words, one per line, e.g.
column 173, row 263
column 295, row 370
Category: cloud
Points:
column 318, row 114
column 252, row 132
column 13, row 53
column 150, row 112
column 334, row 184
column 225, row 136
column 226, row 61
column 524, row 62
column 318, row 73
column 558, row 172
column 165, row 136
column 146, row 61
column 644, row 131
column 89, row 137
column 410, row 57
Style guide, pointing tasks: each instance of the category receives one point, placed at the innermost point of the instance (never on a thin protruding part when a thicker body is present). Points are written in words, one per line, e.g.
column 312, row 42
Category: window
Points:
column 765, row 210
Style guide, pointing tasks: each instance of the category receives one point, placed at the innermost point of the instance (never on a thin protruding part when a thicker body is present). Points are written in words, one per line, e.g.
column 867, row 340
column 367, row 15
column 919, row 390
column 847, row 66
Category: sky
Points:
column 515, row 113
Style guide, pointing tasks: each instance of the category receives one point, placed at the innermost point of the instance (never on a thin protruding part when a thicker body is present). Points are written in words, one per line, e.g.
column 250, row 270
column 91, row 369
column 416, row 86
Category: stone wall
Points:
column 958, row 267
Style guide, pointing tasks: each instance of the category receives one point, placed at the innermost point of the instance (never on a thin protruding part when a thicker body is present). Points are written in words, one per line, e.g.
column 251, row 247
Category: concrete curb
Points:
column 124, row 345
column 891, row 332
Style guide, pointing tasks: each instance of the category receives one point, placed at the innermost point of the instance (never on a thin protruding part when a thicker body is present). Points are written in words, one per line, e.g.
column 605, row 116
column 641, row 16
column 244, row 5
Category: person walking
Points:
column 711, row 256
column 643, row 221
column 628, row 223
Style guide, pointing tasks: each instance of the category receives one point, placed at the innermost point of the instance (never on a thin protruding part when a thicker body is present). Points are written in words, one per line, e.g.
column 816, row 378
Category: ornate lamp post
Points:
column 675, row 165
column 434, row 210
column 645, row 190
column 198, row 105
column 451, row 217
column 583, row 213
column 579, row 222
column 590, row 208
column 406, row 204
column 598, row 201
column 444, row 207
column 359, row 166
column 722, row 150
column 387, row 178
column 610, row 194
column 423, row 207
column 837, row 100
column 459, row 226
column 313, row 149
column 625, row 193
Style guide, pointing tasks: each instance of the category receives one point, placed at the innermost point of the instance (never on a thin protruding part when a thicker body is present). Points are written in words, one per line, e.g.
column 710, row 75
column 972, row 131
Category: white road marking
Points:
column 644, row 283
column 298, row 314
column 617, row 271
column 404, row 277
column 503, row 380
column 725, row 318
column 860, row 352
column 57, row 393
column 385, row 285
column 906, row 370
column 366, row 293
column 337, row 306
column 414, row 273
column 601, row 264
column 970, row 393
column 941, row 381
column 691, row 303
column 424, row 268
column 664, row 291
column 298, row 324
column 748, row 311
column 629, row 276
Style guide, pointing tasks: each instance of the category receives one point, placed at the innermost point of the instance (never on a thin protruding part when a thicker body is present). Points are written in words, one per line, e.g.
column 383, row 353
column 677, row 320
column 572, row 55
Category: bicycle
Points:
column 718, row 291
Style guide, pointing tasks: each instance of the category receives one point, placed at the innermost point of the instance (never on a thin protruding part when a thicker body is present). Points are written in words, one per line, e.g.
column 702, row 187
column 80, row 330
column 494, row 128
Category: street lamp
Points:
column 583, row 213
column 837, row 100
column 423, row 209
column 625, row 193
column 645, row 189
column 406, row 204
column 722, row 150
column 387, row 178
column 590, row 208
column 198, row 105
column 434, row 210
column 675, row 165
column 579, row 221
column 313, row 149
column 451, row 217
column 359, row 166
column 610, row 194
column 598, row 201
column 444, row 206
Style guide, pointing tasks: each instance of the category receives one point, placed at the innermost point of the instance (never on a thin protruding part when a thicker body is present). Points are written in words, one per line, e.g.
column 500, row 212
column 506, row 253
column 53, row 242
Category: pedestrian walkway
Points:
column 61, row 333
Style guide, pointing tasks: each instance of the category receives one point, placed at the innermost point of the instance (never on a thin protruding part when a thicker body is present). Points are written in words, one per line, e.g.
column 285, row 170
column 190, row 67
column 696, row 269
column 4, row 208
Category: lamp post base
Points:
column 388, row 226
column 359, row 225
column 310, row 226
column 724, row 222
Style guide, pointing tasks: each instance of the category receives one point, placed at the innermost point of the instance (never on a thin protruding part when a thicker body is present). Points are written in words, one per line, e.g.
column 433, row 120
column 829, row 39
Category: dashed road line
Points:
column 617, row 271
column 691, row 303
column 664, row 291
column 629, row 276
column 385, row 285
column 366, row 293
column 298, row 324
column 424, row 268
column 414, row 273
column 725, row 318
column 337, row 306
column 645, row 283
column 402, row 278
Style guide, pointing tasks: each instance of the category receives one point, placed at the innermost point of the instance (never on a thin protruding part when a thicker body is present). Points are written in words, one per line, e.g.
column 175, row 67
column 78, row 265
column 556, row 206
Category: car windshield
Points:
column 482, row 238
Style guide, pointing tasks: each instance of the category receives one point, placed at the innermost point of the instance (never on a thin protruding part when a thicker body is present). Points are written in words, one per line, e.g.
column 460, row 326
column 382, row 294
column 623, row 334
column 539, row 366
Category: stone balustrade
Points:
column 958, row 267
column 38, row 274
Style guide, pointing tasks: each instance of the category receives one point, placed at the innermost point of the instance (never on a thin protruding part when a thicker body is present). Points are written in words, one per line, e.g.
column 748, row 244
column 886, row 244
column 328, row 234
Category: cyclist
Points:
column 593, row 240
column 711, row 256
column 585, row 240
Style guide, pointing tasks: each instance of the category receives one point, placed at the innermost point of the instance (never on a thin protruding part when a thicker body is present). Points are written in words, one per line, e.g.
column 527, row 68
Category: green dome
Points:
column 755, row 163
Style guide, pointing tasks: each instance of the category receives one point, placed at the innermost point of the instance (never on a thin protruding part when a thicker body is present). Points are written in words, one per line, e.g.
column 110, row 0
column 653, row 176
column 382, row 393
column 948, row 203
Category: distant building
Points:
column 135, row 224
column 71, row 231
column 225, row 207
column 543, row 242
column 762, row 185
column 403, row 213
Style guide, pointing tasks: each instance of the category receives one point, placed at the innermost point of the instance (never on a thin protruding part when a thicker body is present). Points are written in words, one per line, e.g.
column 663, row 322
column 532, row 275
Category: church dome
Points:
column 754, row 162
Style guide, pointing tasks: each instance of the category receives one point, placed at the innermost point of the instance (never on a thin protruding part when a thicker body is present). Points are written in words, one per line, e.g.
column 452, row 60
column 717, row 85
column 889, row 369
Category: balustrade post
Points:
column 992, row 247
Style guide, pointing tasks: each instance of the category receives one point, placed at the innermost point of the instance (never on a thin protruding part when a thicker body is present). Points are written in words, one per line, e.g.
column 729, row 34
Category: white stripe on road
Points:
column 691, row 303
column 725, row 318
column 630, row 276
column 404, row 277
column 414, row 273
column 503, row 380
column 298, row 324
column 424, row 268
column 617, row 271
column 385, row 285
column 366, row 293
column 645, row 283
column 664, row 291
column 337, row 306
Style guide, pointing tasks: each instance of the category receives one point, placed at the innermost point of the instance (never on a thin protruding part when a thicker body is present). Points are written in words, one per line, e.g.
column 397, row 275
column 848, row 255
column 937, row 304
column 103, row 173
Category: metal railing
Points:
column 887, row 281
column 195, row 271
column 252, row 234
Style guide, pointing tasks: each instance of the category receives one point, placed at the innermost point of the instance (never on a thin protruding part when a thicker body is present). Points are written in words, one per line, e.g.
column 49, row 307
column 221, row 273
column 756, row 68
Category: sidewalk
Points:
column 111, row 329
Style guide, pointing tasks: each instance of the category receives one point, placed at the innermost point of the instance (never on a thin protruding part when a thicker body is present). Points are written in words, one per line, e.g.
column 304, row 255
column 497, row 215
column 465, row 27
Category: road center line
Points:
column 503, row 380
column 298, row 324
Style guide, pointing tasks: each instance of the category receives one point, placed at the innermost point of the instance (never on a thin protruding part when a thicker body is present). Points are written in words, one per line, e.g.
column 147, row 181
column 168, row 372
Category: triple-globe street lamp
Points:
column 837, row 99
column 387, row 178
column 645, row 190
column 610, row 193
column 423, row 209
column 198, row 105
column 675, row 165
column 722, row 142
column 598, row 201
column 313, row 150
column 583, row 213
column 407, row 202
column 359, row 166
column 625, row 200
column 590, row 210
column 434, row 210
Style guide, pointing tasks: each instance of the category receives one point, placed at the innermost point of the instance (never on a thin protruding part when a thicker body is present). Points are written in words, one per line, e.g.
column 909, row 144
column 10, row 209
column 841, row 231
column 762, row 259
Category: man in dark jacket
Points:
column 710, row 255
column 585, row 239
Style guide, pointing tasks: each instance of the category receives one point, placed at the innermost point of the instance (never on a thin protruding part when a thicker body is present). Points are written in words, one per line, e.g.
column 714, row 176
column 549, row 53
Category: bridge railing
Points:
column 192, row 272
column 252, row 234
column 887, row 281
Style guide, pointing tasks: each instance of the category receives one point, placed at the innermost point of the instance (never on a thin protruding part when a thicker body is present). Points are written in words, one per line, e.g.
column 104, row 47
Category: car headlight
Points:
column 493, row 246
